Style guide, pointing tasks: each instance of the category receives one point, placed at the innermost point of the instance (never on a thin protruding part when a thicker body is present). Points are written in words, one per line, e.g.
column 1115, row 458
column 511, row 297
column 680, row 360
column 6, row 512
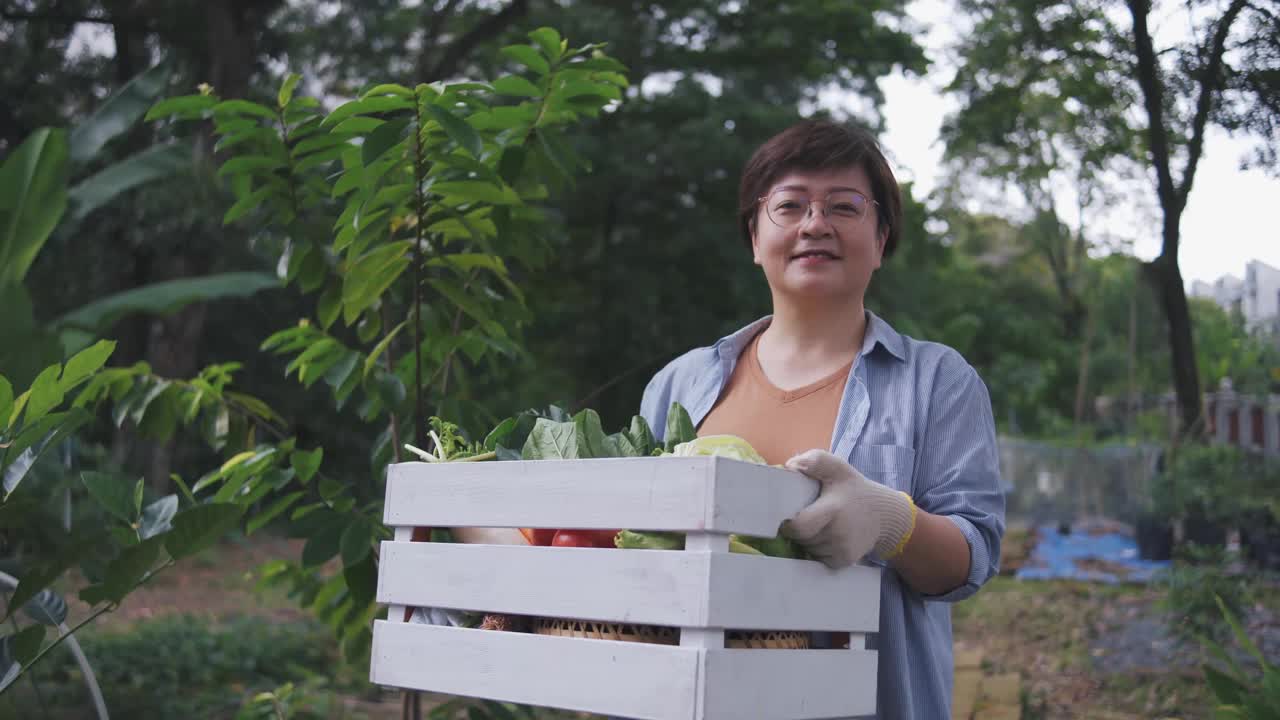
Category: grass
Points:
column 1048, row 631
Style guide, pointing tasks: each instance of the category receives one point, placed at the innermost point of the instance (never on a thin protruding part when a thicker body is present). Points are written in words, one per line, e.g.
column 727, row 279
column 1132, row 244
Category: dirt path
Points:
column 216, row 584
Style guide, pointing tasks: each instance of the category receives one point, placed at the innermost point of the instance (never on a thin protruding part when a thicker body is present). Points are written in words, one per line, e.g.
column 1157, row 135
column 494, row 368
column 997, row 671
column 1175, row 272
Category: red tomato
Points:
column 584, row 538
column 539, row 536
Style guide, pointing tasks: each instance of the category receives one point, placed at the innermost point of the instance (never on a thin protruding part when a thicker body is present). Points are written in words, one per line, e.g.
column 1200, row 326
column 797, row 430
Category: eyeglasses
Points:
column 787, row 208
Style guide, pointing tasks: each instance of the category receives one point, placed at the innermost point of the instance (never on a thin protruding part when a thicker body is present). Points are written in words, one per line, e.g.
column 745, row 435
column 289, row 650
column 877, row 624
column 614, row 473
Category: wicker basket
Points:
column 659, row 635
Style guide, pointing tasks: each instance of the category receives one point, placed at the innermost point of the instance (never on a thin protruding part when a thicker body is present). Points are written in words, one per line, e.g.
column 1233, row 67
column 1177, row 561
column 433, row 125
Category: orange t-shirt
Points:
column 778, row 423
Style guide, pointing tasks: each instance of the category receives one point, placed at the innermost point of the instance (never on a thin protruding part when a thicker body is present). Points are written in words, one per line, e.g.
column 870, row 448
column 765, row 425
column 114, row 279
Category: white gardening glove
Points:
column 852, row 516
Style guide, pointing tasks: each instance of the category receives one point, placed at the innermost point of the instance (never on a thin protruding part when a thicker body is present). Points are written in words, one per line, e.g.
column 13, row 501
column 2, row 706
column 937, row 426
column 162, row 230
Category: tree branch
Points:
column 1210, row 84
column 485, row 30
column 1153, row 100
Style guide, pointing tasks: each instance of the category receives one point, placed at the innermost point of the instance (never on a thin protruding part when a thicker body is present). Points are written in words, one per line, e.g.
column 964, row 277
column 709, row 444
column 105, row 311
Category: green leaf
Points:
column 389, row 89
column 157, row 517
column 33, row 196
column 680, row 427
column 457, row 129
column 528, row 56
column 46, row 608
column 272, row 511
column 118, row 113
column 549, row 40
column 26, row 644
column 196, row 528
column 147, row 166
column 1242, row 637
column 6, row 403
column 85, row 363
column 476, row 191
column 305, row 463
column 362, row 580
column 1226, row 689
column 380, row 348
column 137, row 498
column 93, row 594
column 356, row 542
column 370, row 276
column 286, row 89
column 17, row 469
column 130, row 567
column 165, row 298
column 322, row 546
column 186, row 107
column 517, row 86
column 591, row 440
column 364, row 106
column 642, row 436
column 45, row 394
column 113, row 492
column 461, row 299
column 40, row 576
column 243, row 107
column 382, row 139
column 329, row 305
column 550, row 440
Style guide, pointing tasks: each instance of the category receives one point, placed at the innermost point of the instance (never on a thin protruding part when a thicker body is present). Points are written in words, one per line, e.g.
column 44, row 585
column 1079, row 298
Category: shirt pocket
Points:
column 889, row 465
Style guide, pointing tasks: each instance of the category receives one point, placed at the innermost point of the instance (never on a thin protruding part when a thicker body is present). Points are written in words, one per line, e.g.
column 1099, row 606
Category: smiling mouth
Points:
column 824, row 254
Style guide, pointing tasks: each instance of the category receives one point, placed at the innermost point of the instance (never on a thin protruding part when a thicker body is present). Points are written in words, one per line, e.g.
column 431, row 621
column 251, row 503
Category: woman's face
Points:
column 815, row 255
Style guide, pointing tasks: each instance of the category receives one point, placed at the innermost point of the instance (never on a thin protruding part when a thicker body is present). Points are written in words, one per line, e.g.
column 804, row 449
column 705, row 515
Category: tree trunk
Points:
column 1167, row 281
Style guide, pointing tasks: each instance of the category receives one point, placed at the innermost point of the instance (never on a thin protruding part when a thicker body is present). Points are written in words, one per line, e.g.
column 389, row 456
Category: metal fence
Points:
column 1049, row 484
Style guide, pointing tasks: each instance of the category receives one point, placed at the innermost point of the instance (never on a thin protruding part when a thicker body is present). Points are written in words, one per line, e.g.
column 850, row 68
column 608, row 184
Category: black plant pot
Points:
column 1260, row 539
column 1202, row 530
column 1155, row 538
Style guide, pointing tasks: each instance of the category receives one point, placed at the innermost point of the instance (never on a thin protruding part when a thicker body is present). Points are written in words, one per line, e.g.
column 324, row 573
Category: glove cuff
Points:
column 897, row 514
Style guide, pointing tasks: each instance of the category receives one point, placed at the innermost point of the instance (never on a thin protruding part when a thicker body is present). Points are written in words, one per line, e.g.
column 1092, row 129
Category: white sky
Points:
column 1230, row 216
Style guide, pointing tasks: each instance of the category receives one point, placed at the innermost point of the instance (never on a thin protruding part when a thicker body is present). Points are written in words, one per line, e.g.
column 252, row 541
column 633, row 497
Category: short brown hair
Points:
column 817, row 145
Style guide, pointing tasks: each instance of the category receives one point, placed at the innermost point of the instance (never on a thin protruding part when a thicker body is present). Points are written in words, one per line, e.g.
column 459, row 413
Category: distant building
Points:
column 1227, row 291
column 1261, row 296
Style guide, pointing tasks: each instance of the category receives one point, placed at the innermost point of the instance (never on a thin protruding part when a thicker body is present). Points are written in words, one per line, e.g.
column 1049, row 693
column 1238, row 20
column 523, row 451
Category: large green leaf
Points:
column 130, row 567
column 157, row 517
column 196, row 528
column 33, row 196
column 44, row 395
column 163, row 298
column 113, row 492
column 119, row 113
column 154, row 163
column 85, row 363
column 6, row 403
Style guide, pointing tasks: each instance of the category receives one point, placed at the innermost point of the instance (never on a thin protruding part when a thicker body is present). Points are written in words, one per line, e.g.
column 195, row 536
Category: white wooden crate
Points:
column 703, row 590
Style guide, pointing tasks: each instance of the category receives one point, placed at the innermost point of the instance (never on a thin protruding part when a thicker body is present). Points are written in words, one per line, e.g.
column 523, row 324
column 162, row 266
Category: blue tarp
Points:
column 1108, row 557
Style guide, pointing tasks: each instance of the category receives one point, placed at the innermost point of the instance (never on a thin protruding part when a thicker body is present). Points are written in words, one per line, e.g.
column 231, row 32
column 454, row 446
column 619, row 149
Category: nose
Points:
column 815, row 222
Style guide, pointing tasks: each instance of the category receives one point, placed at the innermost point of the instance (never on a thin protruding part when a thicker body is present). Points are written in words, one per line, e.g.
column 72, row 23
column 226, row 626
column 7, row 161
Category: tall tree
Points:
column 1068, row 72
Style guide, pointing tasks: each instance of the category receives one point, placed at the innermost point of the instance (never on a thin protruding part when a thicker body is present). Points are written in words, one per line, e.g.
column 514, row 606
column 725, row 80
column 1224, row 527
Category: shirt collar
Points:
column 878, row 332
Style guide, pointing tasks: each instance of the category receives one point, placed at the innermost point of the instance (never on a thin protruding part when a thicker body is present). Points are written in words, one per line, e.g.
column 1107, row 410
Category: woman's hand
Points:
column 853, row 516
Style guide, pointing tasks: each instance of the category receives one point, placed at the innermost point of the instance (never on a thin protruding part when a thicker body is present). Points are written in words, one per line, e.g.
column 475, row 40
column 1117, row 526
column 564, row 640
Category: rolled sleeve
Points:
column 959, row 473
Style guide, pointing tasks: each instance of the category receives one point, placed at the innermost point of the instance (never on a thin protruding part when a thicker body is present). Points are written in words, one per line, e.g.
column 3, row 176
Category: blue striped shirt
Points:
column 915, row 416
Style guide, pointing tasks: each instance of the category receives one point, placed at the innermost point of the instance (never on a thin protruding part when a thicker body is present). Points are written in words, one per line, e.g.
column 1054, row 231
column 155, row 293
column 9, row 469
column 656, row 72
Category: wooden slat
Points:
column 643, row 586
column 789, row 684
column 665, row 493
column 653, row 587
column 632, row 680
column 755, row 499
column 764, row 593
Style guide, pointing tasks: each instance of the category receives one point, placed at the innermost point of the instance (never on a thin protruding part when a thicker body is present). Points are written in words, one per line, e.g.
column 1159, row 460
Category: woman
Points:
column 899, row 432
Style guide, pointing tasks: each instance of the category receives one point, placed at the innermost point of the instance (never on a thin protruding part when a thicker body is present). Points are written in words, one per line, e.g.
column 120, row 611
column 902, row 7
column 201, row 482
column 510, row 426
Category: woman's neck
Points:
column 804, row 341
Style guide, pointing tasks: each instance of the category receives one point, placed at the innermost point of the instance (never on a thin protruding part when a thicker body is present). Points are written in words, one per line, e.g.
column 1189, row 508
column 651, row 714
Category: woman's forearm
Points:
column 936, row 558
